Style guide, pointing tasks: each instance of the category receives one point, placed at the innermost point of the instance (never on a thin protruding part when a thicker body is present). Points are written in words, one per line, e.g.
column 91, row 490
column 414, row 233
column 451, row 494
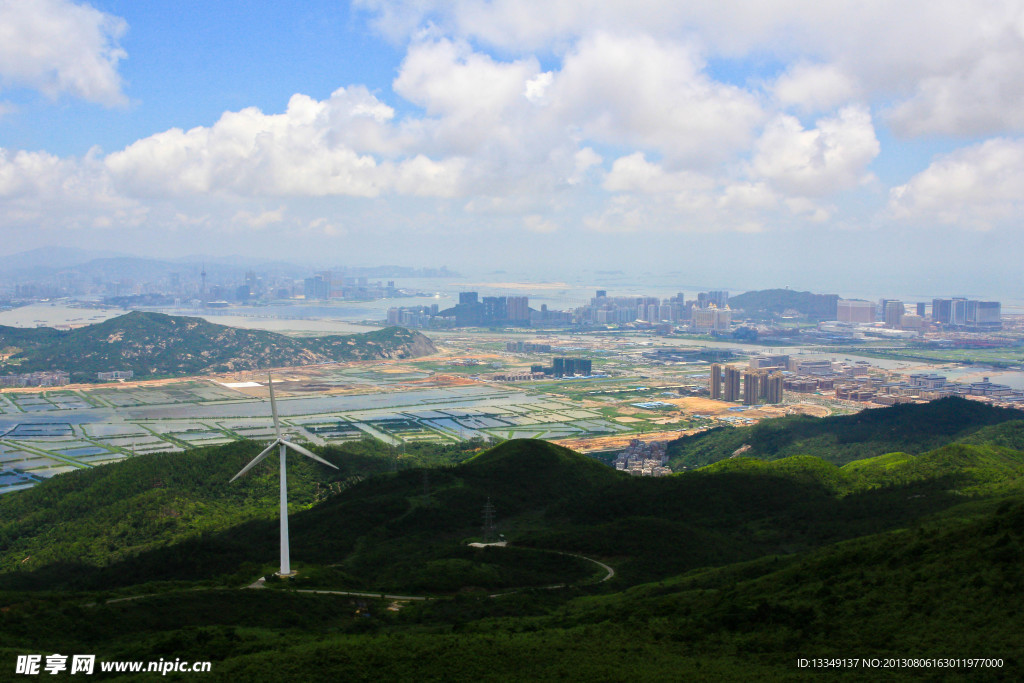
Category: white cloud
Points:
column 58, row 46
column 39, row 189
column 948, row 66
column 537, row 223
column 641, row 92
column 814, row 87
column 831, row 157
column 313, row 149
column 981, row 97
column 748, row 196
column 471, row 100
column 258, row 221
column 585, row 159
column 634, row 173
column 979, row 186
column 536, row 87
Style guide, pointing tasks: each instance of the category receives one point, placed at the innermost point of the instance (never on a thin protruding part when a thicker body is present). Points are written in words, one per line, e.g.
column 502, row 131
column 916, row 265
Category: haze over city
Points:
column 850, row 146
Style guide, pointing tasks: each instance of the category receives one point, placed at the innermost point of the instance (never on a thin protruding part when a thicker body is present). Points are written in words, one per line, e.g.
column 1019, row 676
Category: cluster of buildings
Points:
column 51, row 378
column 560, row 367
column 527, row 347
column 925, row 387
column 55, row 378
column 565, row 367
column 328, row 285
column 476, row 311
column 647, row 459
column 852, row 381
column 958, row 313
column 759, row 385
column 709, row 312
column 115, row 375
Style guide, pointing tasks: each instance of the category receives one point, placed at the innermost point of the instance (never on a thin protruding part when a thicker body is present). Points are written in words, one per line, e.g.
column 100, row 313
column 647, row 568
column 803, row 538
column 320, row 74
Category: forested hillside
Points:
column 910, row 428
column 727, row 572
column 159, row 345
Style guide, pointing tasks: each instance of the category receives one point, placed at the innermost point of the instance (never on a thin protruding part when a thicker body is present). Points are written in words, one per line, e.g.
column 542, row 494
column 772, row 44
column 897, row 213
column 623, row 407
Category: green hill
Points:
column 840, row 439
column 961, row 468
column 729, row 572
column 155, row 344
column 766, row 303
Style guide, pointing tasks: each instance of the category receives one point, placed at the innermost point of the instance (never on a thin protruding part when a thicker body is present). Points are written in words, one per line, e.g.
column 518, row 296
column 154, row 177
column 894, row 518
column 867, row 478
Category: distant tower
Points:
column 490, row 529
column 202, row 290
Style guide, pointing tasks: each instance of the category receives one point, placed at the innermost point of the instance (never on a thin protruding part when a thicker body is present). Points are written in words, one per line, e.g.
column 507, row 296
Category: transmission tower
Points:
column 490, row 529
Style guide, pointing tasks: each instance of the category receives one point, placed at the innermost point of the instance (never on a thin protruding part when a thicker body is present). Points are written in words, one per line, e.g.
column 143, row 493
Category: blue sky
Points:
column 828, row 146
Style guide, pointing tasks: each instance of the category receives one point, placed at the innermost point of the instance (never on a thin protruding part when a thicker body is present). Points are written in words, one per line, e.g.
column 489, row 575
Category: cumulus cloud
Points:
column 43, row 190
column 315, row 148
column 58, row 47
column 634, row 173
column 982, row 97
column 641, row 92
column 814, row 87
column 948, row 66
column 979, row 186
column 831, row 157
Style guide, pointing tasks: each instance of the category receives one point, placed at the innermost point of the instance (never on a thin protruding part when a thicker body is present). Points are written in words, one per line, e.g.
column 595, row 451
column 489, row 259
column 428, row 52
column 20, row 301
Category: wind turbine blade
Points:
column 273, row 407
column 256, row 460
column 308, row 454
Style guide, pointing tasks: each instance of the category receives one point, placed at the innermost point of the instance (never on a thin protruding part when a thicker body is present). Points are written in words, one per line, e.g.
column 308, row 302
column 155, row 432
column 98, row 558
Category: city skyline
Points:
column 821, row 148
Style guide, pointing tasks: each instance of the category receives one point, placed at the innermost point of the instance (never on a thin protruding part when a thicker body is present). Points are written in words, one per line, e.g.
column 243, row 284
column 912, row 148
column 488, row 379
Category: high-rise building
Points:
column 317, row 287
column 732, row 384
column 855, row 311
column 567, row 367
column 712, row 319
column 750, row 388
column 518, row 309
column 950, row 312
column 467, row 297
column 988, row 314
column 715, row 381
column 719, row 298
column 495, row 309
column 774, row 384
column 893, row 311
column 920, row 308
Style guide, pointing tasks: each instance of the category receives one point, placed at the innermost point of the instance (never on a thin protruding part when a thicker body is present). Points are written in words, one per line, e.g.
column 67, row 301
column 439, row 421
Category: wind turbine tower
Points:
column 283, row 445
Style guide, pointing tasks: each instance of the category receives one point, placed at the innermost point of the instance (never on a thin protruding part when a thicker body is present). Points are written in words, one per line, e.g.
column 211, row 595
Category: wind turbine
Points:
column 283, row 445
